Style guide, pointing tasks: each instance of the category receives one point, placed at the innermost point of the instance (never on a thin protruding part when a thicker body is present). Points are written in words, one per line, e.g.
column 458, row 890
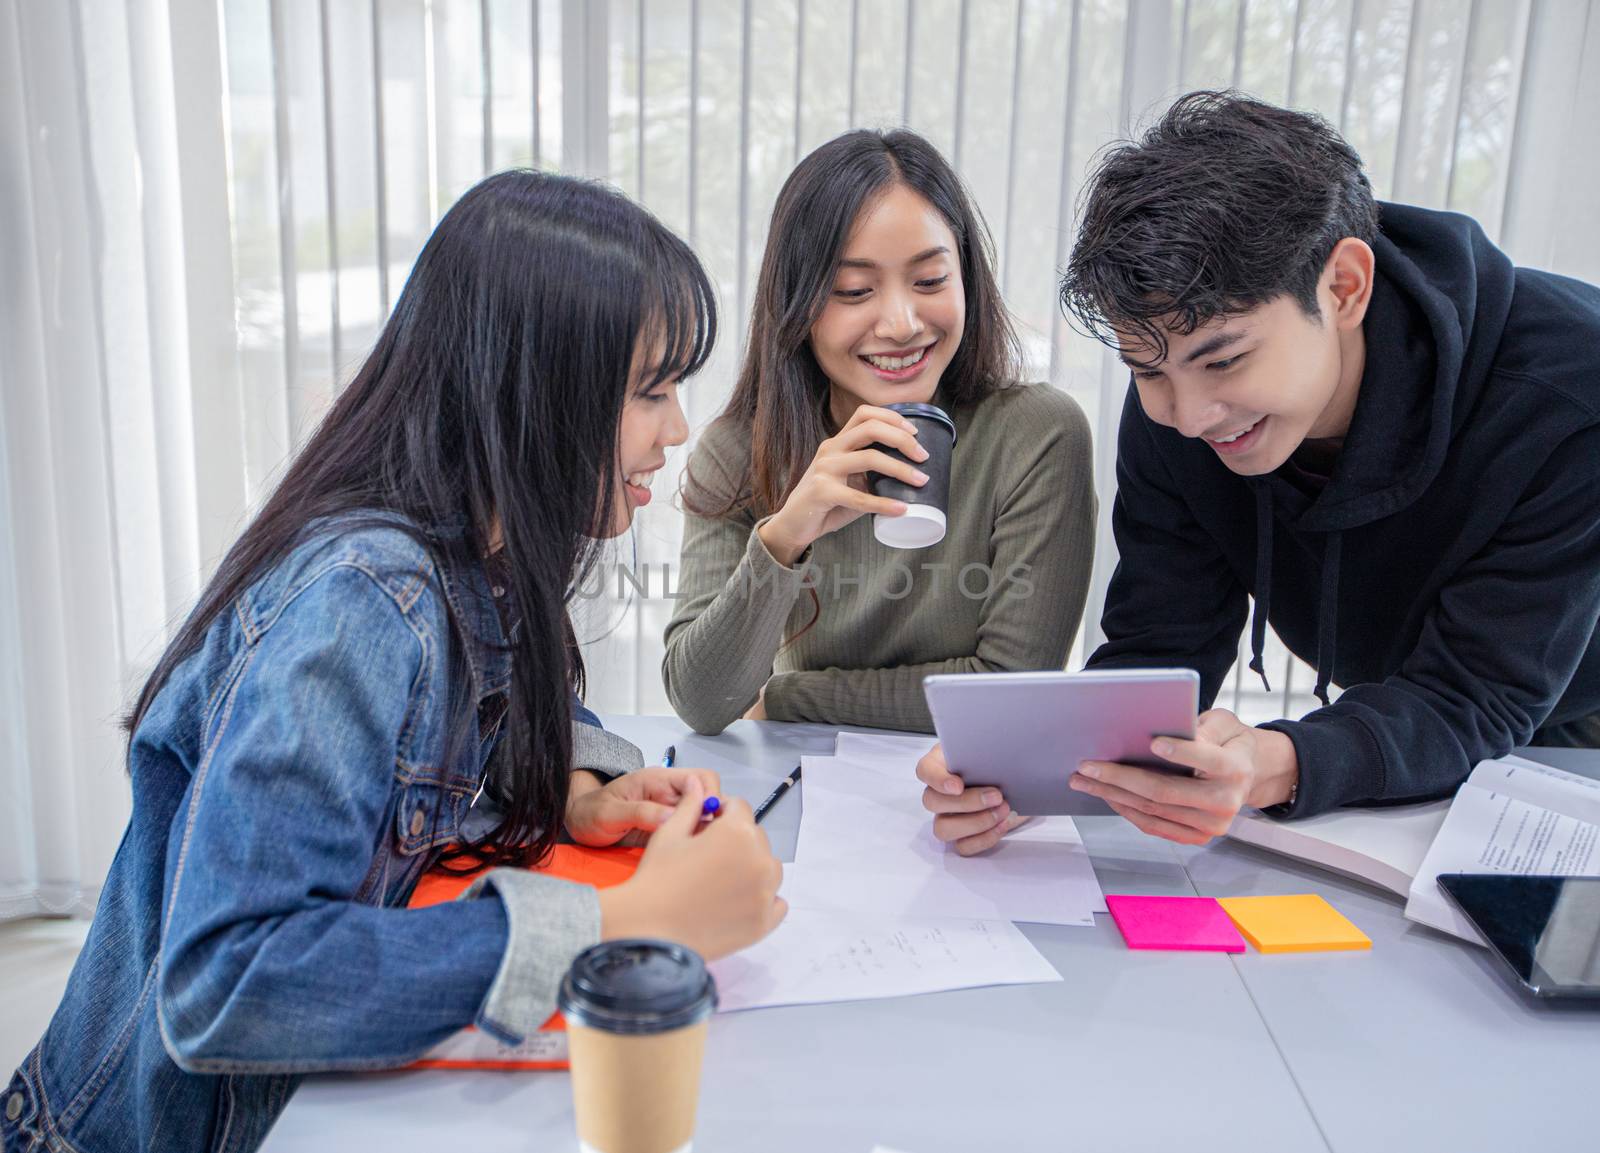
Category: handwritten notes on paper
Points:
column 815, row 957
column 878, row 908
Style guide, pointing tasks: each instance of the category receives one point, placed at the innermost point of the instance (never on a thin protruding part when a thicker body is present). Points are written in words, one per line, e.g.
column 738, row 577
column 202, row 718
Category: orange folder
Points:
column 546, row 1049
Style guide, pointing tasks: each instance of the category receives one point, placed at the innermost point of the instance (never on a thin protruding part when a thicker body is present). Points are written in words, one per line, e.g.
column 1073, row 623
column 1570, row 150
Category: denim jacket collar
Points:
column 466, row 587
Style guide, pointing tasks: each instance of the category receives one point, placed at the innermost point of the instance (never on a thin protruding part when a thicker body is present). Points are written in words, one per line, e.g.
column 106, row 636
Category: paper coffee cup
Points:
column 637, row 1013
column 923, row 523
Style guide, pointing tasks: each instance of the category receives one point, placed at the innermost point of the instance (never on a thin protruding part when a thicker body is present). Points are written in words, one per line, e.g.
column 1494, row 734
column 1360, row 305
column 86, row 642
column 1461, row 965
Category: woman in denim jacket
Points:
column 316, row 734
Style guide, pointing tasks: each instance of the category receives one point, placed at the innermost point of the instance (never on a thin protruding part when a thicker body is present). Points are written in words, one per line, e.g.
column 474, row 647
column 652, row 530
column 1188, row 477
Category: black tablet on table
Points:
column 1545, row 929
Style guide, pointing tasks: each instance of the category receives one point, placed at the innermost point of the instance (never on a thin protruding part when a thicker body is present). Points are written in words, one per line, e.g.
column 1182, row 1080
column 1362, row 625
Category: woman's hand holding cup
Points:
column 971, row 820
column 833, row 490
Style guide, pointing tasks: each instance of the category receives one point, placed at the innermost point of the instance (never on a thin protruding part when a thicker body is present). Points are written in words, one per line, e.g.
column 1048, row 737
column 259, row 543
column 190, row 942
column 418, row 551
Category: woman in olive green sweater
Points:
column 876, row 288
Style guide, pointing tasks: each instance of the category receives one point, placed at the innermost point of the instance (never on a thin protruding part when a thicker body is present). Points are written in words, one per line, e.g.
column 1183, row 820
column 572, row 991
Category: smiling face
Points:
column 897, row 309
column 652, row 422
column 1255, row 385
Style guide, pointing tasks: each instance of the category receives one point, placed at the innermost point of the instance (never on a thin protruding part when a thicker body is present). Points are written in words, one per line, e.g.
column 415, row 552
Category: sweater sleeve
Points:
column 1041, row 553
column 1173, row 601
column 1496, row 653
column 734, row 599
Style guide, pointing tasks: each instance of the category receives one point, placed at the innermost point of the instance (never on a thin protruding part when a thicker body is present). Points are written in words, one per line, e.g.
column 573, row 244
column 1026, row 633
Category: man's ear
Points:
column 1347, row 278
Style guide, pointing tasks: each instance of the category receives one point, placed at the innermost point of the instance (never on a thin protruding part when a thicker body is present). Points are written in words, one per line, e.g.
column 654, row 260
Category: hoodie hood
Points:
column 1440, row 302
column 1440, row 299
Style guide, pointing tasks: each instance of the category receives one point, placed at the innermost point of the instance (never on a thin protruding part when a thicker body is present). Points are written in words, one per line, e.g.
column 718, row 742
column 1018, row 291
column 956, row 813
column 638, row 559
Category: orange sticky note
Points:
column 1303, row 923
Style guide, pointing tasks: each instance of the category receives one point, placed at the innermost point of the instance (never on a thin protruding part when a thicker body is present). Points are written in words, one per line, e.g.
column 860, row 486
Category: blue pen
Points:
column 669, row 756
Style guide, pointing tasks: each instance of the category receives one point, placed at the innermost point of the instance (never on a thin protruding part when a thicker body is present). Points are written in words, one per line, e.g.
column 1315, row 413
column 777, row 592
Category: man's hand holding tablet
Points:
column 1233, row 763
column 970, row 819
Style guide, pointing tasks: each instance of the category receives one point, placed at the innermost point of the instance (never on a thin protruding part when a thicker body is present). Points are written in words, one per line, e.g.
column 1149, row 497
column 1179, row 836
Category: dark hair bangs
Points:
column 680, row 311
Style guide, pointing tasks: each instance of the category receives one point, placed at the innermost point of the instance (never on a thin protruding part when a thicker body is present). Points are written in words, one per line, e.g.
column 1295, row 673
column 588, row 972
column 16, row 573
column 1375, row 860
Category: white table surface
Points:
column 1417, row 1045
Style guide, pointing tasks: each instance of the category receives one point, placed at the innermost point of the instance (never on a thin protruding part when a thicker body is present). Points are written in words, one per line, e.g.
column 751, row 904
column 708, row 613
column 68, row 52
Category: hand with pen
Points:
column 711, row 885
column 625, row 811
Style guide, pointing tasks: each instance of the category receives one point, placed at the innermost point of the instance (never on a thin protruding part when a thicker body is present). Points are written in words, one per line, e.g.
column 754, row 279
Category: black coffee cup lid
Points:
column 930, row 411
column 637, row 986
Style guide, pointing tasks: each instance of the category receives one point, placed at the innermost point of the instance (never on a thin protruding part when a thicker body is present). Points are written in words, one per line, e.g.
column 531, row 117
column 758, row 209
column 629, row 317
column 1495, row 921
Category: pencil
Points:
column 777, row 794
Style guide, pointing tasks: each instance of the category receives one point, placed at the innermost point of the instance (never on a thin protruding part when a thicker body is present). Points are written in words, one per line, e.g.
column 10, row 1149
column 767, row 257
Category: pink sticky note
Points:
column 1196, row 924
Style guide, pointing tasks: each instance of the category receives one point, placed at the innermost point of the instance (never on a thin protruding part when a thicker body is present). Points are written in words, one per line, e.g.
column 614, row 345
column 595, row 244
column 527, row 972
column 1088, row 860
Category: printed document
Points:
column 1512, row 816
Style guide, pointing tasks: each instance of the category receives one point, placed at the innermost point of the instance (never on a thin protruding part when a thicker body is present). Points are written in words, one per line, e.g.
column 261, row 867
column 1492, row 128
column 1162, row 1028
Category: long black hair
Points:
column 780, row 402
column 493, row 398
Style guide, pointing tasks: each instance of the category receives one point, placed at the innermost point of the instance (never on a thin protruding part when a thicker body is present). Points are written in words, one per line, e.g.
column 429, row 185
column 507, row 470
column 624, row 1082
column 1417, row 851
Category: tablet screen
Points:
column 1546, row 928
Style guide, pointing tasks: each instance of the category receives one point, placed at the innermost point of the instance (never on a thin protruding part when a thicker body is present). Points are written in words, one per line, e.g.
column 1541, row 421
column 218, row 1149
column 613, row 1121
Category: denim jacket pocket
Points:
column 109, row 1064
column 429, row 815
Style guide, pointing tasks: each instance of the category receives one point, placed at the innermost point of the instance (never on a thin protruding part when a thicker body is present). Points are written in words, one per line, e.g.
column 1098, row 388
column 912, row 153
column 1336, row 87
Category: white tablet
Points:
column 1025, row 733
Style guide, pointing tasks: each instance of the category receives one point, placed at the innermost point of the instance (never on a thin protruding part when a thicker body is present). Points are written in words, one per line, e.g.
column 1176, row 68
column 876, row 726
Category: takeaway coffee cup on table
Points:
column 924, row 521
column 636, row 1013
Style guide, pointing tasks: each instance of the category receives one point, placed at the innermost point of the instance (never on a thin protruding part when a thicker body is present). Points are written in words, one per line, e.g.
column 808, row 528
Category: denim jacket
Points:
column 289, row 788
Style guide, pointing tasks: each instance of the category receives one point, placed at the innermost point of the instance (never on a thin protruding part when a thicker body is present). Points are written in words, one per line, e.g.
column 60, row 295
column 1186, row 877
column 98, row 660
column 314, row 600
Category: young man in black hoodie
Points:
column 1362, row 415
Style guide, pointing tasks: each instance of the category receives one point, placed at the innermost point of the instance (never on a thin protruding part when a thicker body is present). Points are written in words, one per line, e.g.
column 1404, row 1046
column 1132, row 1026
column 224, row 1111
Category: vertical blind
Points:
column 210, row 207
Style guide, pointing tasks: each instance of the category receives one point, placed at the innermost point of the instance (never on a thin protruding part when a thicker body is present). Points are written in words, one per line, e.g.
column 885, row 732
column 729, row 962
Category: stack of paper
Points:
column 866, row 845
column 818, row 956
column 879, row 908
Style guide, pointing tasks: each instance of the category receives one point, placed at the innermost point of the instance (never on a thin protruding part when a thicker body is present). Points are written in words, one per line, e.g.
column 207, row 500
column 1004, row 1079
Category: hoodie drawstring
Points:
column 1258, row 619
column 1328, row 614
column 1327, row 605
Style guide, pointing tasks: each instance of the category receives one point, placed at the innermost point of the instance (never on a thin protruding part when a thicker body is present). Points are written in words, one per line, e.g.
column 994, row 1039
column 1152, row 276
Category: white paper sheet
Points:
column 889, row 753
column 866, row 844
column 915, row 893
column 895, row 756
column 1512, row 816
column 815, row 957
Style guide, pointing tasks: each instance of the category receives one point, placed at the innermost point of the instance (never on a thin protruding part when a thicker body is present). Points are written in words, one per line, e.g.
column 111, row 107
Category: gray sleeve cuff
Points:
column 785, row 579
column 550, row 922
column 603, row 753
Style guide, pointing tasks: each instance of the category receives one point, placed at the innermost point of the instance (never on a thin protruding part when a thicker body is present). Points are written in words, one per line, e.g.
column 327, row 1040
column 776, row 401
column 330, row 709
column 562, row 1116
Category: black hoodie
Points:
column 1448, row 574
